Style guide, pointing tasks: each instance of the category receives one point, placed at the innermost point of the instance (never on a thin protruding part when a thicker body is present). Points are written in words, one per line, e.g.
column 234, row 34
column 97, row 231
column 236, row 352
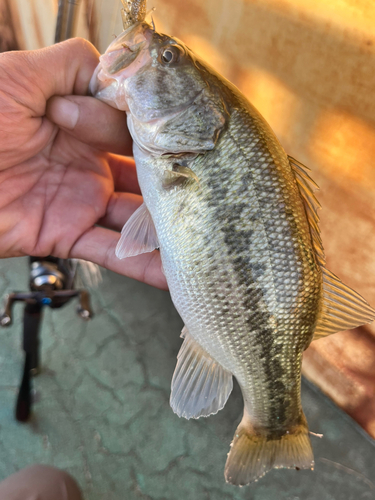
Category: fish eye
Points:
column 170, row 55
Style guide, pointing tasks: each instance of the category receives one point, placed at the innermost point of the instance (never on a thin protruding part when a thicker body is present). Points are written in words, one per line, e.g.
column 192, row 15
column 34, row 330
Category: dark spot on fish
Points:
column 258, row 270
column 141, row 80
column 182, row 206
column 279, row 386
column 278, row 348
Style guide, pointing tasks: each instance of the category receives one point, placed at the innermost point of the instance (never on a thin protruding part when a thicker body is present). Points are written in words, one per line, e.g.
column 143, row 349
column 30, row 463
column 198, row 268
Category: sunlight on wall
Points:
column 35, row 22
column 276, row 102
column 347, row 144
column 355, row 15
column 207, row 51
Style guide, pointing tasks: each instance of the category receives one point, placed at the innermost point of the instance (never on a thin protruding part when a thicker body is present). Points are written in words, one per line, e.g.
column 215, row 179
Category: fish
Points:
column 236, row 222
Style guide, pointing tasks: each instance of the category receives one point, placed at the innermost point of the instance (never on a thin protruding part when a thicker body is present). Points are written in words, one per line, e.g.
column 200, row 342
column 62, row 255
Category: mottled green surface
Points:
column 103, row 411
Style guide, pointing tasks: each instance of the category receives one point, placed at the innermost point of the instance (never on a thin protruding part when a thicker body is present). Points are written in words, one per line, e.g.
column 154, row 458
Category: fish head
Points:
column 171, row 104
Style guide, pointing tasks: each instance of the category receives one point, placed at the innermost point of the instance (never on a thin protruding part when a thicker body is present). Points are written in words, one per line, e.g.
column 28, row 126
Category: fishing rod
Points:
column 51, row 283
column 66, row 19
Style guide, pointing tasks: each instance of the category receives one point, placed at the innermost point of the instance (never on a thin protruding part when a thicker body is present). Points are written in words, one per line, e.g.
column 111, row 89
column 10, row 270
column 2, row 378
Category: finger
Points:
column 124, row 174
column 119, row 210
column 92, row 122
column 62, row 69
column 98, row 245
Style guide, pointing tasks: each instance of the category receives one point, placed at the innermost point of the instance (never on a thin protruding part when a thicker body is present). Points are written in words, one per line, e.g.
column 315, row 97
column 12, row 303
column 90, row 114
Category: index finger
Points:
column 98, row 245
column 62, row 69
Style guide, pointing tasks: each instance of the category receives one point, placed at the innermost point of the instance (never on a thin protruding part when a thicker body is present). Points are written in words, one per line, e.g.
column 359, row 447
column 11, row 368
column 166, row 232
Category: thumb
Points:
column 91, row 121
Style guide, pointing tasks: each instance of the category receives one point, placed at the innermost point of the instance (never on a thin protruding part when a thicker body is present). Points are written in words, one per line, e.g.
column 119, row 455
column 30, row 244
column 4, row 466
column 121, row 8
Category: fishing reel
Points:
column 51, row 283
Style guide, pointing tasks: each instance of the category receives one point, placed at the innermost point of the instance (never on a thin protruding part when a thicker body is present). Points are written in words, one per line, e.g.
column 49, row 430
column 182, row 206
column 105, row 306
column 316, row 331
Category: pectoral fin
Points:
column 179, row 176
column 138, row 235
column 200, row 386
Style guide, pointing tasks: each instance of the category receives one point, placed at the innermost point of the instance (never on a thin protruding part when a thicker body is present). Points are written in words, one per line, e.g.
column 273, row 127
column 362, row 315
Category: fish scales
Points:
column 236, row 223
column 254, row 289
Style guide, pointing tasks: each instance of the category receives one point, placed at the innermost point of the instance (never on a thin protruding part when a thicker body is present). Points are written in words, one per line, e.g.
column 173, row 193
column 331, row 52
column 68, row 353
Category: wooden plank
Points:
column 8, row 40
column 35, row 22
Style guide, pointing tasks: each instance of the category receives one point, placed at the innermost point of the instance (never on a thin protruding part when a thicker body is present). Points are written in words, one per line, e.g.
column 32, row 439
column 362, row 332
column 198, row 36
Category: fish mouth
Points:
column 122, row 59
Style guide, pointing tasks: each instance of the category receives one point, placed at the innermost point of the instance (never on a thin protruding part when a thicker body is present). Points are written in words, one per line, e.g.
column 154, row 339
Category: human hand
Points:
column 61, row 172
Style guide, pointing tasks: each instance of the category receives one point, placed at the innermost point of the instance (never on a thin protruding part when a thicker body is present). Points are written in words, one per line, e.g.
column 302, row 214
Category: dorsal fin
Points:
column 306, row 187
column 342, row 307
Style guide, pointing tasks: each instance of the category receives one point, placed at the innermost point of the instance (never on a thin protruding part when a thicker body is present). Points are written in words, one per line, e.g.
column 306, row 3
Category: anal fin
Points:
column 343, row 308
column 138, row 235
column 200, row 386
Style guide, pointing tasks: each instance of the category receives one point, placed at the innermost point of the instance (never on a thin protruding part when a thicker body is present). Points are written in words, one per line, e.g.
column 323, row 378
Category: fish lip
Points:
column 103, row 88
column 106, row 82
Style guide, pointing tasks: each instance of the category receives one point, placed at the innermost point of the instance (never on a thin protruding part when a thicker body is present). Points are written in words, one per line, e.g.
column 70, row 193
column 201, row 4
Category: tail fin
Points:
column 253, row 455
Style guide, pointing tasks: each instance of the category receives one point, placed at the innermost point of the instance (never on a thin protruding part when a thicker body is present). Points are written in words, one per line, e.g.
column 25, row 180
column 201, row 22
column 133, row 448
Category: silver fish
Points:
column 236, row 222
